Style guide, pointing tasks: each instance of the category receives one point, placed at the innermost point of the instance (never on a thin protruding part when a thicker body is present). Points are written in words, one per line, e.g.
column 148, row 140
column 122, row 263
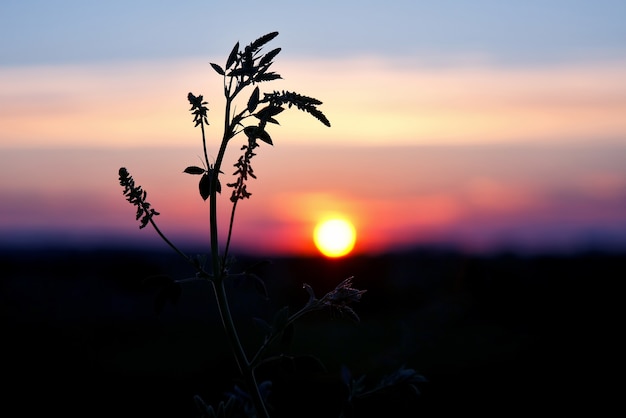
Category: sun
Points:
column 334, row 237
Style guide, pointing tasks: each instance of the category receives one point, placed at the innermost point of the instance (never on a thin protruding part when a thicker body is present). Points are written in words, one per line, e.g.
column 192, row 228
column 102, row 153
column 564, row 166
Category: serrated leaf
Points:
column 269, row 57
column 253, row 101
column 319, row 116
column 218, row 69
column 233, row 56
column 263, row 40
column 192, row 169
column 267, row 77
column 205, row 186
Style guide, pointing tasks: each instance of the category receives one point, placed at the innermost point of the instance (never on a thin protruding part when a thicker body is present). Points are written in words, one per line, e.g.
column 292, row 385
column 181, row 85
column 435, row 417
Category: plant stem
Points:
column 219, row 274
column 230, row 228
column 217, row 269
column 206, row 155
column 168, row 242
column 200, row 269
column 240, row 356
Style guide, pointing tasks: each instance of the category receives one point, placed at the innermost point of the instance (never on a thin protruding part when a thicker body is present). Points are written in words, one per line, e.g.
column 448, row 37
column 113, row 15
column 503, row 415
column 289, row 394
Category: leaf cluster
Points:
column 206, row 181
column 137, row 196
column 243, row 171
column 245, row 67
column 198, row 109
column 338, row 299
column 248, row 65
column 301, row 102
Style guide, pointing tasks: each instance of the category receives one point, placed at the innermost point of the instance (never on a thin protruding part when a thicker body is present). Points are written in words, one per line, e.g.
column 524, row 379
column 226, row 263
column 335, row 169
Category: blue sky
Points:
column 508, row 33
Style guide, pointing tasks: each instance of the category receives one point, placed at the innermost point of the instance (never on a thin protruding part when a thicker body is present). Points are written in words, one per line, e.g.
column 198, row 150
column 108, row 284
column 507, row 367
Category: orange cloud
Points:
column 368, row 100
column 373, row 101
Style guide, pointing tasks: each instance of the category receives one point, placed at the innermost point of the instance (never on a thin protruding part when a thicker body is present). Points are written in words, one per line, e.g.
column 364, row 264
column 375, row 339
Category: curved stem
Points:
column 198, row 268
column 168, row 242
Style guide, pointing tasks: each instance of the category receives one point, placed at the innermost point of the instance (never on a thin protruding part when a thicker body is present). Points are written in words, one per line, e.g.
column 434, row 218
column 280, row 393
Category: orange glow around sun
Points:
column 334, row 237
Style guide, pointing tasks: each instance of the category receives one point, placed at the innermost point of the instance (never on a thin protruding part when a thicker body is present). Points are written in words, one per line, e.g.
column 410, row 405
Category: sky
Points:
column 486, row 125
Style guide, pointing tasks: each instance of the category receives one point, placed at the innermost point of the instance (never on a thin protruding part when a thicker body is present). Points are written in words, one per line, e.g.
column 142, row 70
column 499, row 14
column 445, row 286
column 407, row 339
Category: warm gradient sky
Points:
column 481, row 124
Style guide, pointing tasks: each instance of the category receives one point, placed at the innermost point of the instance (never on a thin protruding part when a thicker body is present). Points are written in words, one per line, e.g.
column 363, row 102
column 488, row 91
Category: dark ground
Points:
column 494, row 336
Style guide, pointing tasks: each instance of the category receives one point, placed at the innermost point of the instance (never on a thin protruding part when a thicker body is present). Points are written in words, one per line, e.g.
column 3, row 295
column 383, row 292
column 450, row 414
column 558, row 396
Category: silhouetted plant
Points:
column 245, row 67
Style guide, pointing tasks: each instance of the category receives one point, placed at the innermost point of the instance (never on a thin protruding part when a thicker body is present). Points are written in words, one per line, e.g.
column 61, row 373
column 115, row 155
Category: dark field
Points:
column 494, row 335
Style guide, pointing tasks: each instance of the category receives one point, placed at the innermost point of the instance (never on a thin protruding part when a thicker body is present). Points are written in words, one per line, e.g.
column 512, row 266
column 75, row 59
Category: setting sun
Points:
column 334, row 237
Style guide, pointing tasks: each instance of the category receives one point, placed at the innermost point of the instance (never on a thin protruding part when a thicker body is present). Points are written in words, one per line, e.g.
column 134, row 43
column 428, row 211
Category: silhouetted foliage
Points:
column 247, row 67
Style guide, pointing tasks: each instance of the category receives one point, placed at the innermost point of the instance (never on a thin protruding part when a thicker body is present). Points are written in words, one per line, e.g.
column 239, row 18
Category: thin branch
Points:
column 230, row 228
